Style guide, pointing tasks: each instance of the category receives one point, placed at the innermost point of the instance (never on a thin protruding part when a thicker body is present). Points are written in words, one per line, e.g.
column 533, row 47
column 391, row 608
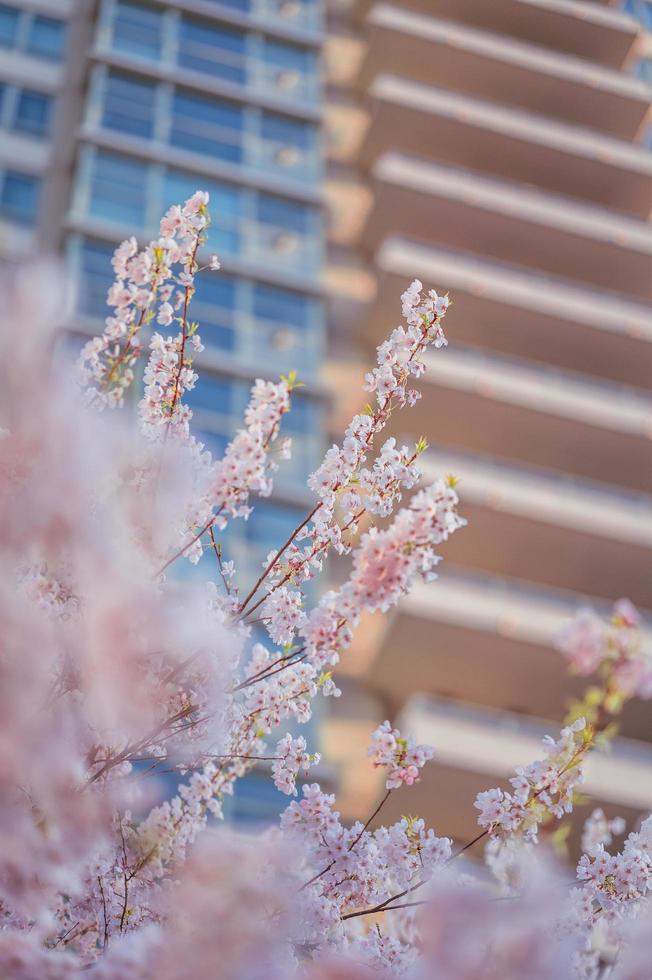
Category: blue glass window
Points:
column 641, row 9
column 33, row 112
column 138, row 30
column 216, row 51
column 303, row 417
column 214, row 307
column 643, row 69
column 271, row 524
column 96, row 277
column 213, row 394
column 214, row 442
column 288, row 132
column 129, row 105
column 117, row 188
column 283, row 214
column 244, row 5
column 46, row 37
column 19, row 196
column 8, row 25
column 207, row 126
column 290, row 67
column 3, row 92
column 281, row 306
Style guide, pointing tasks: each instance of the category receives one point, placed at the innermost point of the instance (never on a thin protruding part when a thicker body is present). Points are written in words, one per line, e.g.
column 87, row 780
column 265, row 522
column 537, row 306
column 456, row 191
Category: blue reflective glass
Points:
column 3, row 92
column 214, row 307
column 304, row 416
column 46, row 37
column 289, row 57
column 96, row 277
column 138, row 30
column 243, row 5
column 270, row 524
column 288, row 132
column 256, row 802
column 213, row 394
column 117, row 188
column 214, row 442
column 282, row 213
column 19, row 196
column 643, row 69
column 213, row 50
column 8, row 25
column 640, row 9
column 129, row 105
column 207, row 126
column 282, row 306
column 33, row 112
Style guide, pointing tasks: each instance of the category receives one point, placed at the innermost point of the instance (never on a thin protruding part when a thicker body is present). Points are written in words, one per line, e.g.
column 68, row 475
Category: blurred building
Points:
column 113, row 110
column 500, row 151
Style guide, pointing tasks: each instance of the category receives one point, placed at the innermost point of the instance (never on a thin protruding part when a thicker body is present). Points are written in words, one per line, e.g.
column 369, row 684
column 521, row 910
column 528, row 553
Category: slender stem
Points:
column 304, row 561
column 276, row 557
column 183, row 550
column 184, row 327
column 467, row 846
column 374, row 814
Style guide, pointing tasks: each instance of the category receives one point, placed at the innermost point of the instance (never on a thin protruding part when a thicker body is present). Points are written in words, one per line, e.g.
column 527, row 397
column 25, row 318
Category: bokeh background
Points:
column 497, row 150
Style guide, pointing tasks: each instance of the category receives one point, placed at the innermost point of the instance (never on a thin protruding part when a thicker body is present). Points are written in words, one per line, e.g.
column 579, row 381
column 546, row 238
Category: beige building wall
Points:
column 501, row 152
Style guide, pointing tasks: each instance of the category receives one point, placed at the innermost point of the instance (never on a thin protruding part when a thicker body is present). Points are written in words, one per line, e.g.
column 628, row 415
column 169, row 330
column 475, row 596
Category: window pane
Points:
column 96, row 277
column 117, row 191
column 214, row 50
column 303, row 417
column 281, row 306
column 244, row 5
column 270, row 524
column 33, row 112
column 207, row 126
column 643, row 69
column 8, row 26
column 47, row 37
column 19, row 198
column 214, row 307
column 289, row 132
column 138, row 30
column 213, row 394
column 214, row 442
column 283, row 214
column 129, row 105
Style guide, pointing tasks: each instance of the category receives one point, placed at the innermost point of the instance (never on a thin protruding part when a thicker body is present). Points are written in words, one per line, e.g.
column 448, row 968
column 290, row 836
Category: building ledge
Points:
column 441, row 52
column 509, row 143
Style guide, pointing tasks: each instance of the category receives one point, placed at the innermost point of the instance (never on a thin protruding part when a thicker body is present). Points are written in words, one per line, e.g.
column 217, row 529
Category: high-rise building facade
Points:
column 500, row 151
column 113, row 110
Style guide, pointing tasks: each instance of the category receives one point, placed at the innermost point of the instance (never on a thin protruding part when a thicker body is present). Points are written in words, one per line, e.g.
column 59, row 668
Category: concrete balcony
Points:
column 551, row 531
column 483, row 640
column 449, row 55
column 480, row 135
column 543, row 418
column 476, row 749
column 586, row 30
column 456, row 209
column 518, row 313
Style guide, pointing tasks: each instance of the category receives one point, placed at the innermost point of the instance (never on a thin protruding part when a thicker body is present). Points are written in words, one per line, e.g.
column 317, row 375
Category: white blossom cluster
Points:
column 543, row 787
column 402, row 757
